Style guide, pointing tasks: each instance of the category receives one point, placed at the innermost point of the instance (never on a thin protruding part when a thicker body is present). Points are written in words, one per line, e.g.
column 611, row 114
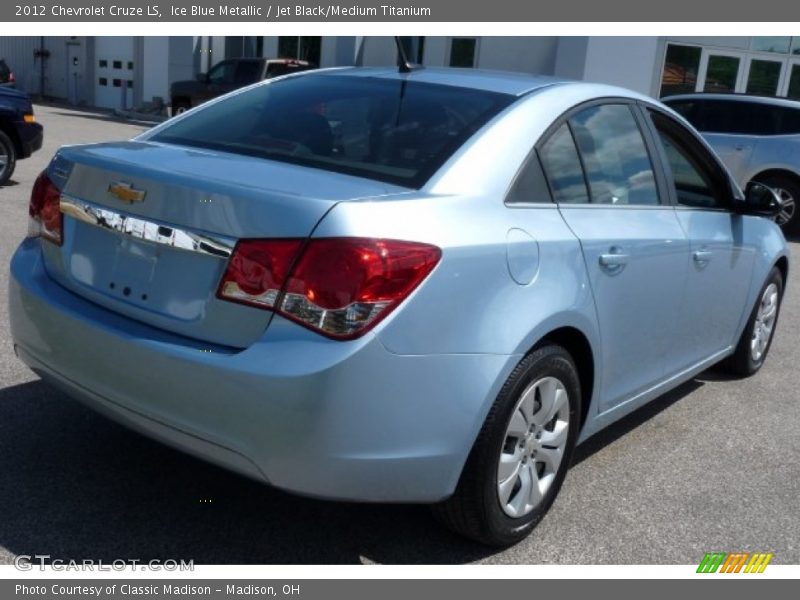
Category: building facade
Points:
column 127, row 72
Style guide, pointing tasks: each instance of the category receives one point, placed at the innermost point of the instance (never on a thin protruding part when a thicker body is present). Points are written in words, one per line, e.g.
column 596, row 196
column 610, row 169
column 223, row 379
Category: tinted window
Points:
column 788, row 120
column 614, row 156
column 685, row 108
column 386, row 129
column 563, row 167
column 530, row 184
column 733, row 117
column 222, row 73
column 248, row 71
column 4, row 71
column 698, row 182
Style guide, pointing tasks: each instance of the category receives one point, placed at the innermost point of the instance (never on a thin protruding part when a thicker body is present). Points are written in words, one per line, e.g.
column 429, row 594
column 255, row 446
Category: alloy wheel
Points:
column 534, row 445
column 786, row 213
column 765, row 322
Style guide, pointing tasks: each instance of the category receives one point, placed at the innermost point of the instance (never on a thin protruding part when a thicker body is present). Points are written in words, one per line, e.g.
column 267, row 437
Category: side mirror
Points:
column 760, row 200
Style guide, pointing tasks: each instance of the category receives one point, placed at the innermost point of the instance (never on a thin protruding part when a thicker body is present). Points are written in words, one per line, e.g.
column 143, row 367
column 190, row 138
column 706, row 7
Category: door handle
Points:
column 701, row 256
column 614, row 260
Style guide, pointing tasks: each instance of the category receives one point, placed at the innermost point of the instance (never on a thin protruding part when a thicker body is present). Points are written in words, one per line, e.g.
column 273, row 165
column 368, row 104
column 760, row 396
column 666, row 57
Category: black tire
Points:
column 9, row 152
column 789, row 189
column 180, row 105
column 474, row 510
column 742, row 362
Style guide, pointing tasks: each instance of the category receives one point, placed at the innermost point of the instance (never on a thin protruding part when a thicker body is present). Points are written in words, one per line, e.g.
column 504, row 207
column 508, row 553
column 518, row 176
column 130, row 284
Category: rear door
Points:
column 601, row 175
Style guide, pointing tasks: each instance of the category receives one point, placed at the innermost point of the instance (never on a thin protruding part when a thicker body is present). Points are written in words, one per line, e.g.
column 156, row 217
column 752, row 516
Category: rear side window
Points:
column 390, row 130
column 788, row 120
column 5, row 72
column 562, row 166
column 614, row 156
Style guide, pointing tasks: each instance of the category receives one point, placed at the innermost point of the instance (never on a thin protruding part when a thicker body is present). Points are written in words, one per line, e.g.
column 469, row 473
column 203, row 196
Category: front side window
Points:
column 614, row 155
column 698, row 180
column 386, row 129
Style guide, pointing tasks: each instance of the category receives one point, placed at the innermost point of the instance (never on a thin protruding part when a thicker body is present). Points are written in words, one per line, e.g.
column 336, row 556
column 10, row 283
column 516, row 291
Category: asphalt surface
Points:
column 715, row 465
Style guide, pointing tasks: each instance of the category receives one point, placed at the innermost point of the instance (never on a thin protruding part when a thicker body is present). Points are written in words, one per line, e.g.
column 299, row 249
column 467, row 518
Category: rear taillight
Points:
column 340, row 287
column 45, row 211
column 11, row 77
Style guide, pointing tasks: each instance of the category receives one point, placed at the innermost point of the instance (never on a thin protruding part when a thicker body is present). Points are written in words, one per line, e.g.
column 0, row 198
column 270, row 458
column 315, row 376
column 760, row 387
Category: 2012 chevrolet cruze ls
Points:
column 375, row 285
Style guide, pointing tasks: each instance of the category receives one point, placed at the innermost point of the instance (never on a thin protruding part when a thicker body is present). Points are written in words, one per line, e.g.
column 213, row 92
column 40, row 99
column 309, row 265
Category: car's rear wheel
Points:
column 753, row 346
column 788, row 190
column 8, row 158
column 522, row 454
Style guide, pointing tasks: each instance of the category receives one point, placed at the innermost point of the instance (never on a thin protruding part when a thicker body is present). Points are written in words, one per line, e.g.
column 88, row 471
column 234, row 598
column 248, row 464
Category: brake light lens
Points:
column 339, row 287
column 44, row 211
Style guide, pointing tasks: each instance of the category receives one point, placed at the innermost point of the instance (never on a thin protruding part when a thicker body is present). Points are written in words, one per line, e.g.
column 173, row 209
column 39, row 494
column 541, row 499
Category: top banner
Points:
column 468, row 11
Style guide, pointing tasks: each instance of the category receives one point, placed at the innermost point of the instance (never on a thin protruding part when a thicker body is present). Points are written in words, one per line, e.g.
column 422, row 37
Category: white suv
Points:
column 758, row 138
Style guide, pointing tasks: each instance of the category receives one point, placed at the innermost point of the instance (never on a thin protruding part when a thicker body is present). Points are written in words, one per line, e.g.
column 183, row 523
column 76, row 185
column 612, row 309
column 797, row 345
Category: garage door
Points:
column 114, row 65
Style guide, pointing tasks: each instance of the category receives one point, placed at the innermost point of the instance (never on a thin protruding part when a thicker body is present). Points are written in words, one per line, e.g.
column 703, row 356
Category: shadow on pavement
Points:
column 75, row 486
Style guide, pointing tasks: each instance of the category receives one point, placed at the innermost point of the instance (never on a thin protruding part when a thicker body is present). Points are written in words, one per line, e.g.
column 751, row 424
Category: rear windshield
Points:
column 385, row 129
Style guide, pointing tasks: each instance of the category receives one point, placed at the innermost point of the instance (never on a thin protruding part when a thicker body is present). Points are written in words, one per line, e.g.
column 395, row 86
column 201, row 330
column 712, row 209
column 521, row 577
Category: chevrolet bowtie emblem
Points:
column 126, row 192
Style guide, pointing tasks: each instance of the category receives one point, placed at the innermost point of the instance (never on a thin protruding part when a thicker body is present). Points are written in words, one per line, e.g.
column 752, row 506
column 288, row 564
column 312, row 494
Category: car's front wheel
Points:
column 756, row 339
column 8, row 158
column 522, row 453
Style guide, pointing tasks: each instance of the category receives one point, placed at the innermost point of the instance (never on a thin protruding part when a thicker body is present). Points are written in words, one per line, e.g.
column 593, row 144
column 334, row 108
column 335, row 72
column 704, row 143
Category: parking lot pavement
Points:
column 714, row 465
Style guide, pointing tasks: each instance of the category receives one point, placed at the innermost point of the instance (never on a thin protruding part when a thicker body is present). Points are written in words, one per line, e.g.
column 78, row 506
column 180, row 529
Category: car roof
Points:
column 515, row 84
column 769, row 100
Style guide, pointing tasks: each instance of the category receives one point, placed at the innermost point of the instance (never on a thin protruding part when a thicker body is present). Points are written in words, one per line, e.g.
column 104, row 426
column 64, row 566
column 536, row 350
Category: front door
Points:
column 720, row 264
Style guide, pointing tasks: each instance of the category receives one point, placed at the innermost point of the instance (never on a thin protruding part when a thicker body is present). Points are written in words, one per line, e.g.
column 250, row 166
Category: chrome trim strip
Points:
column 149, row 231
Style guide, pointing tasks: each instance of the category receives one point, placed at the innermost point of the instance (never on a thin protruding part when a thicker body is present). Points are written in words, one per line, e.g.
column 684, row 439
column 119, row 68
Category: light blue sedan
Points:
column 387, row 286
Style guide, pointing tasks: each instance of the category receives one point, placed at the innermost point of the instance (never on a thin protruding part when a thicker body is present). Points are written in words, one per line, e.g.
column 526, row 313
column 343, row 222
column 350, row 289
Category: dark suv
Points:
column 20, row 134
column 227, row 76
column 758, row 139
column 6, row 75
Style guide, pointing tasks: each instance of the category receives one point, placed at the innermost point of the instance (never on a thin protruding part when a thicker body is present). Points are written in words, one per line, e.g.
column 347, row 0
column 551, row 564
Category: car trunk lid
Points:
column 149, row 228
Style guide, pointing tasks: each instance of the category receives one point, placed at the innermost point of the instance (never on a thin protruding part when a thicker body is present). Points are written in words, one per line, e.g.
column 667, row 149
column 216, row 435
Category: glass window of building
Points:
column 680, row 69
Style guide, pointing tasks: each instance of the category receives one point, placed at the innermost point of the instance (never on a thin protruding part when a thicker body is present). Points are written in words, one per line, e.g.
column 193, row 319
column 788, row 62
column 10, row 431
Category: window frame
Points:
column 662, row 183
column 700, row 152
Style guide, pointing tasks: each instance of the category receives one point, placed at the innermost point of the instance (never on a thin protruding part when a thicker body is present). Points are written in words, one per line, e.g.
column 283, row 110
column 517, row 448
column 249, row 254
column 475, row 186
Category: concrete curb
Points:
column 138, row 116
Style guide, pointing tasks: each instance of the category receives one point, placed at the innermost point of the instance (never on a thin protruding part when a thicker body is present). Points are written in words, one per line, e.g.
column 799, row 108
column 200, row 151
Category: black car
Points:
column 7, row 78
column 227, row 76
column 20, row 134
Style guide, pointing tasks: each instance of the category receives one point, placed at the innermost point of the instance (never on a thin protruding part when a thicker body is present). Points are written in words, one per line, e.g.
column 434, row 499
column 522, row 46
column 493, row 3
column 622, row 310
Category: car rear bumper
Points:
column 344, row 420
